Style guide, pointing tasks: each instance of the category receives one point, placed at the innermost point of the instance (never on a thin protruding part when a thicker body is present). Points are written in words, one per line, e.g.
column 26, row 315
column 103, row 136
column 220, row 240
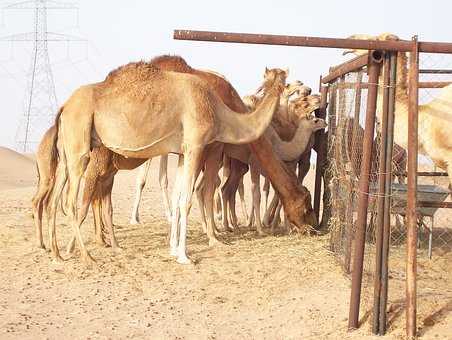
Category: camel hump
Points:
column 172, row 63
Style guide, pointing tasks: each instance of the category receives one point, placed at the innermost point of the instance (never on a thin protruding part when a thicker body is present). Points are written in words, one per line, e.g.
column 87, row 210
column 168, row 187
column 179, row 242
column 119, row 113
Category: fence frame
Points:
column 413, row 47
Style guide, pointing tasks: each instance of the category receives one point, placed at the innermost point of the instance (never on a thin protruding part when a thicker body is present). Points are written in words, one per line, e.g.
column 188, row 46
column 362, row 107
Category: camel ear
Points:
column 287, row 72
column 266, row 70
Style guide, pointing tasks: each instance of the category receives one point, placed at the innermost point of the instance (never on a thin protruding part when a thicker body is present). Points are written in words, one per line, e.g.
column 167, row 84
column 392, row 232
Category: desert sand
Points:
column 273, row 287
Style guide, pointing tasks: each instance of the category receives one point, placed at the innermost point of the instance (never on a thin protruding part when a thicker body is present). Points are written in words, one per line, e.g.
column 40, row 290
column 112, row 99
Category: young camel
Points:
column 286, row 151
column 140, row 111
column 234, row 177
column 289, row 152
column 435, row 117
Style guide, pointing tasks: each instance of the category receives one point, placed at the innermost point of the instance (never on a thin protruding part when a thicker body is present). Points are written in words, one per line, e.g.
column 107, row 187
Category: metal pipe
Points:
column 387, row 199
column 431, row 204
column 326, row 212
column 380, row 198
column 321, row 150
column 435, row 71
column 344, row 68
column 373, row 70
column 413, row 78
column 354, row 160
column 433, row 84
column 422, row 85
column 287, row 40
column 432, row 173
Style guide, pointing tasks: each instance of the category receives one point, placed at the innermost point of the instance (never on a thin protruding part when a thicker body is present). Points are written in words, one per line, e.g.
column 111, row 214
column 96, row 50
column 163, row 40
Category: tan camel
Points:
column 233, row 180
column 286, row 151
column 435, row 117
column 141, row 111
column 289, row 152
column 289, row 90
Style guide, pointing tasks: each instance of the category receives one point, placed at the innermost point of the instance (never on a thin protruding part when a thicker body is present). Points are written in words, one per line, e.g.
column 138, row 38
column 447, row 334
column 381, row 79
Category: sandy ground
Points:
column 275, row 287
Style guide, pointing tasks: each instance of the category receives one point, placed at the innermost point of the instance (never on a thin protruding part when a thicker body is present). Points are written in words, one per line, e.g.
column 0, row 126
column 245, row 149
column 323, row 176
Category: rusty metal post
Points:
column 373, row 70
column 321, row 150
column 349, row 214
column 387, row 199
column 326, row 212
column 380, row 197
column 413, row 91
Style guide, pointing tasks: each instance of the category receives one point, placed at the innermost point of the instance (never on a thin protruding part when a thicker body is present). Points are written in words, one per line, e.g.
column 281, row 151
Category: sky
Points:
column 119, row 32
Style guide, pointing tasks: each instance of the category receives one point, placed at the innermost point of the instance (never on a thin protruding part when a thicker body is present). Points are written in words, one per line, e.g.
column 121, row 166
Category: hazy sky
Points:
column 124, row 31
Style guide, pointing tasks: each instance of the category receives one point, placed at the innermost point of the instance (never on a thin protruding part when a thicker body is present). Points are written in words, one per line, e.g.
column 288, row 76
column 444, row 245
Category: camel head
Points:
column 300, row 212
column 381, row 37
column 312, row 123
column 274, row 78
column 296, row 87
column 305, row 105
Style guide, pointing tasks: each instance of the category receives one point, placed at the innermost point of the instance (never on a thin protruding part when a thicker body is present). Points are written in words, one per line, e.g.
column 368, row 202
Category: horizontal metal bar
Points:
column 431, row 204
column 435, row 71
column 288, row 40
column 432, row 173
column 352, row 65
column 422, row 85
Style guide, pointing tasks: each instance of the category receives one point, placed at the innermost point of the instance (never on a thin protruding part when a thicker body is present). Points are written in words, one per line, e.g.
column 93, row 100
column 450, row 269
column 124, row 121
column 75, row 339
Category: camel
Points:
column 234, row 176
column 287, row 151
column 289, row 90
column 122, row 114
column 435, row 117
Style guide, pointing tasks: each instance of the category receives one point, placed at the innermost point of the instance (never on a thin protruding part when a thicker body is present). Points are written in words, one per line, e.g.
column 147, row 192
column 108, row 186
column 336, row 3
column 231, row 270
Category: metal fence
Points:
column 347, row 115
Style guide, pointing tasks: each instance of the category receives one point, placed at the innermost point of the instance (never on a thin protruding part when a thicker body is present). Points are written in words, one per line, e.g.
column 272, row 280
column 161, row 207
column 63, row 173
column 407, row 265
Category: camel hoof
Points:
column 41, row 248
column 260, row 232
column 117, row 249
column 214, row 242
column 174, row 253
column 88, row 260
column 183, row 260
column 134, row 221
column 58, row 260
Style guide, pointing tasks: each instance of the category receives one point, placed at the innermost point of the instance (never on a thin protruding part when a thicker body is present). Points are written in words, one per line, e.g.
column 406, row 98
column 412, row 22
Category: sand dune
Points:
column 16, row 170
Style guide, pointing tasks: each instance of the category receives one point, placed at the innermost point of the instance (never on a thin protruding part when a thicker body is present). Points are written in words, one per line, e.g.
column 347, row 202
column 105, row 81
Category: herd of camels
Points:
column 147, row 109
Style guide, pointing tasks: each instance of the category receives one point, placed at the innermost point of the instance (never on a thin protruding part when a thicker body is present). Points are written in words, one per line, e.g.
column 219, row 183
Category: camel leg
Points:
column 218, row 205
column 89, row 189
column 140, row 183
column 175, row 209
column 163, row 180
column 276, row 218
column 266, row 190
column 38, row 203
column 76, row 164
column 200, row 197
column 192, row 159
column 304, row 165
column 60, row 180
column 212, row 181
column 256, row 189
column 107, row 211
column 99, row 225
column 232, row 211
column 242, row 198
column 270, row 213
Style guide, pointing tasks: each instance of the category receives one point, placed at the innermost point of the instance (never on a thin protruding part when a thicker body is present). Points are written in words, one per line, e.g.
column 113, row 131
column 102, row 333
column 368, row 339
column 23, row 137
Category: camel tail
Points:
column 54, row 152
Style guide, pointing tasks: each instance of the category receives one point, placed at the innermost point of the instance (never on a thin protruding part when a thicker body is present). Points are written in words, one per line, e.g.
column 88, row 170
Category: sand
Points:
column 274, row 287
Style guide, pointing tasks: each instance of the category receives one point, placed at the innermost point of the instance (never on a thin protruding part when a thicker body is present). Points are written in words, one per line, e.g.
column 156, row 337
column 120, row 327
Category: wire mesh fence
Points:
column 347, row 99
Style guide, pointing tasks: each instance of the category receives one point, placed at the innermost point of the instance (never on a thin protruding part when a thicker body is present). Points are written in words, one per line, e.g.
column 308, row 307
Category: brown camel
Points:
column 122, row 113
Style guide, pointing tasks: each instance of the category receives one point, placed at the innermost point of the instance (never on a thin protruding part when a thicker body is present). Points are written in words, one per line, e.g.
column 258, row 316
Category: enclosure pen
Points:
column 348, row 154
